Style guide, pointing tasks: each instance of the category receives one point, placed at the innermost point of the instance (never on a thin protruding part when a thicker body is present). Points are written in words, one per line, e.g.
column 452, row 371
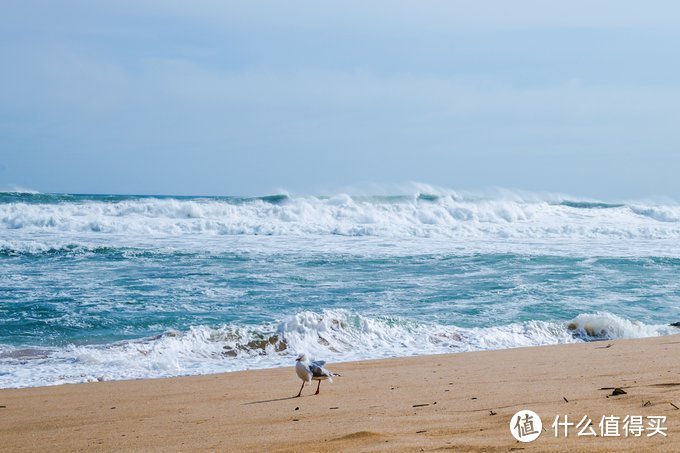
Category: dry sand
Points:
column 461, row 402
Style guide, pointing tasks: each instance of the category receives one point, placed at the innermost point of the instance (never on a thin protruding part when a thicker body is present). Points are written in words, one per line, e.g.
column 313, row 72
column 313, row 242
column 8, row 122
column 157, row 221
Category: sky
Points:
column 259, row 97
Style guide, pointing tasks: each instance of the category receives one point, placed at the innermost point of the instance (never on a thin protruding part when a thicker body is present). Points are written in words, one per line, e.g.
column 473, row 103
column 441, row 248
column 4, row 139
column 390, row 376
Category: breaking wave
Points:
column 420, row 215
column 332, row 335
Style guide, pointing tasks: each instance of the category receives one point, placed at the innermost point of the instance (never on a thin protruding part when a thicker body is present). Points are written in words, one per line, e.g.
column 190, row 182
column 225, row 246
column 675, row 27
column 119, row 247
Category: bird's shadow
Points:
column 272, row 401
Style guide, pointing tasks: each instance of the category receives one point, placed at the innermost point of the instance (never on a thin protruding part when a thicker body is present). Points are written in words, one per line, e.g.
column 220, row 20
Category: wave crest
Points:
column 336, row 335
column 605, row 326
column 422, row 215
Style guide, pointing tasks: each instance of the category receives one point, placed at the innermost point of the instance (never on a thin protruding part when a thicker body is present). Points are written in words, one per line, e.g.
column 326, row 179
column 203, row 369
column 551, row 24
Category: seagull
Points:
column 315, row 370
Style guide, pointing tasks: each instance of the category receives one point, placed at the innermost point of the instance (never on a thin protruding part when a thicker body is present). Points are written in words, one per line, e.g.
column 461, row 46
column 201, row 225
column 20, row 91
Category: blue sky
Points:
column 250, row 98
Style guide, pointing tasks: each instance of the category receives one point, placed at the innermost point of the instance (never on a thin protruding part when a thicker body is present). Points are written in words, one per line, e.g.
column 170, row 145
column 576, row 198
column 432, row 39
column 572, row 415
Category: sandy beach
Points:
column 459, row 402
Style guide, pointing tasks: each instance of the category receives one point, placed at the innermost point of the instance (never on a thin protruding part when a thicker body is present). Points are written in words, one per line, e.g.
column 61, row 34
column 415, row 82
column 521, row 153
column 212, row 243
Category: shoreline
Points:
column 459, row 401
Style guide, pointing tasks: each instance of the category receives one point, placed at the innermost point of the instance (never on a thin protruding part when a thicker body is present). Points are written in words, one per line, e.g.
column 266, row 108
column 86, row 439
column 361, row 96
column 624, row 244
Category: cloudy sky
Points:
column 251, row 98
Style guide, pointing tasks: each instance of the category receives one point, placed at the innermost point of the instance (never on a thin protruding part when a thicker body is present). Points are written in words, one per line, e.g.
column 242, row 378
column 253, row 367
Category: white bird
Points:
column 312, row 370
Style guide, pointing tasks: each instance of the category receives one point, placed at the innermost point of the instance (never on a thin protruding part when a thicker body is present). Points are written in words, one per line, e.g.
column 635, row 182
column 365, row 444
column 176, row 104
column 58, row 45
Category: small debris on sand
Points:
column 604, row 347
column 619, row 391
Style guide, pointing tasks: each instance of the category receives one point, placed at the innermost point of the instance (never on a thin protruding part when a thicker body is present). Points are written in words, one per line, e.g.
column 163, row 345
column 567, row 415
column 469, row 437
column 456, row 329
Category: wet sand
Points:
column 460, row 402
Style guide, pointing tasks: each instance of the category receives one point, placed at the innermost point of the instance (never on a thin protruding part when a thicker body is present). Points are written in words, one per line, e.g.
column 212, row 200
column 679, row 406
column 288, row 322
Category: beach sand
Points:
column 461, row 402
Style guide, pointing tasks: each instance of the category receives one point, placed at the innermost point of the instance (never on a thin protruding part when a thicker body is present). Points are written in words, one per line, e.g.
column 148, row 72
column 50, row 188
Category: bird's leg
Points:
column 300, row 392
column 317, row 388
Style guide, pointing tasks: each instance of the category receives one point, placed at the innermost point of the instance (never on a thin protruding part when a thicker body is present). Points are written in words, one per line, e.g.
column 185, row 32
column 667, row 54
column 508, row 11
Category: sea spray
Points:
column 417, row 216
column 334, row 335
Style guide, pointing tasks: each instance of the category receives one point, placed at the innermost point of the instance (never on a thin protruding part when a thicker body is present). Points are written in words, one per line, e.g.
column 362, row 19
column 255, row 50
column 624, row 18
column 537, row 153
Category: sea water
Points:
column 99, row 287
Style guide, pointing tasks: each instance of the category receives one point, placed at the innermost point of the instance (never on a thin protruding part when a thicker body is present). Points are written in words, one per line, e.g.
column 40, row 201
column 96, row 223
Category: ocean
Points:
column 107, row 287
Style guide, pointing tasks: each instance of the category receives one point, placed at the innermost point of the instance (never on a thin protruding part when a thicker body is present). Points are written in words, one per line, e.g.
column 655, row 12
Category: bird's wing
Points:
column 319, row 363
column 319, row 371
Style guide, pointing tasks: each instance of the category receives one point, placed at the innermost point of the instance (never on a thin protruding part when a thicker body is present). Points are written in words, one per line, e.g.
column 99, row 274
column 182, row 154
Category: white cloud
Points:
column 65, row 80
column 237, row 82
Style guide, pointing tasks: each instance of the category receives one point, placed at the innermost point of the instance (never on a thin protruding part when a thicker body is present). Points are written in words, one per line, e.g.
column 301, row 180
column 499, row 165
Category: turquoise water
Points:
column 113, row 287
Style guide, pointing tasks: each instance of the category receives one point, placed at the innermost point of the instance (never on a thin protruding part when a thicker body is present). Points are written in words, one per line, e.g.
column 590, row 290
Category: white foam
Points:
column 602, row 325
column 669, row 214
column 332, row 335
column 432, row 224
column 447, row 216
